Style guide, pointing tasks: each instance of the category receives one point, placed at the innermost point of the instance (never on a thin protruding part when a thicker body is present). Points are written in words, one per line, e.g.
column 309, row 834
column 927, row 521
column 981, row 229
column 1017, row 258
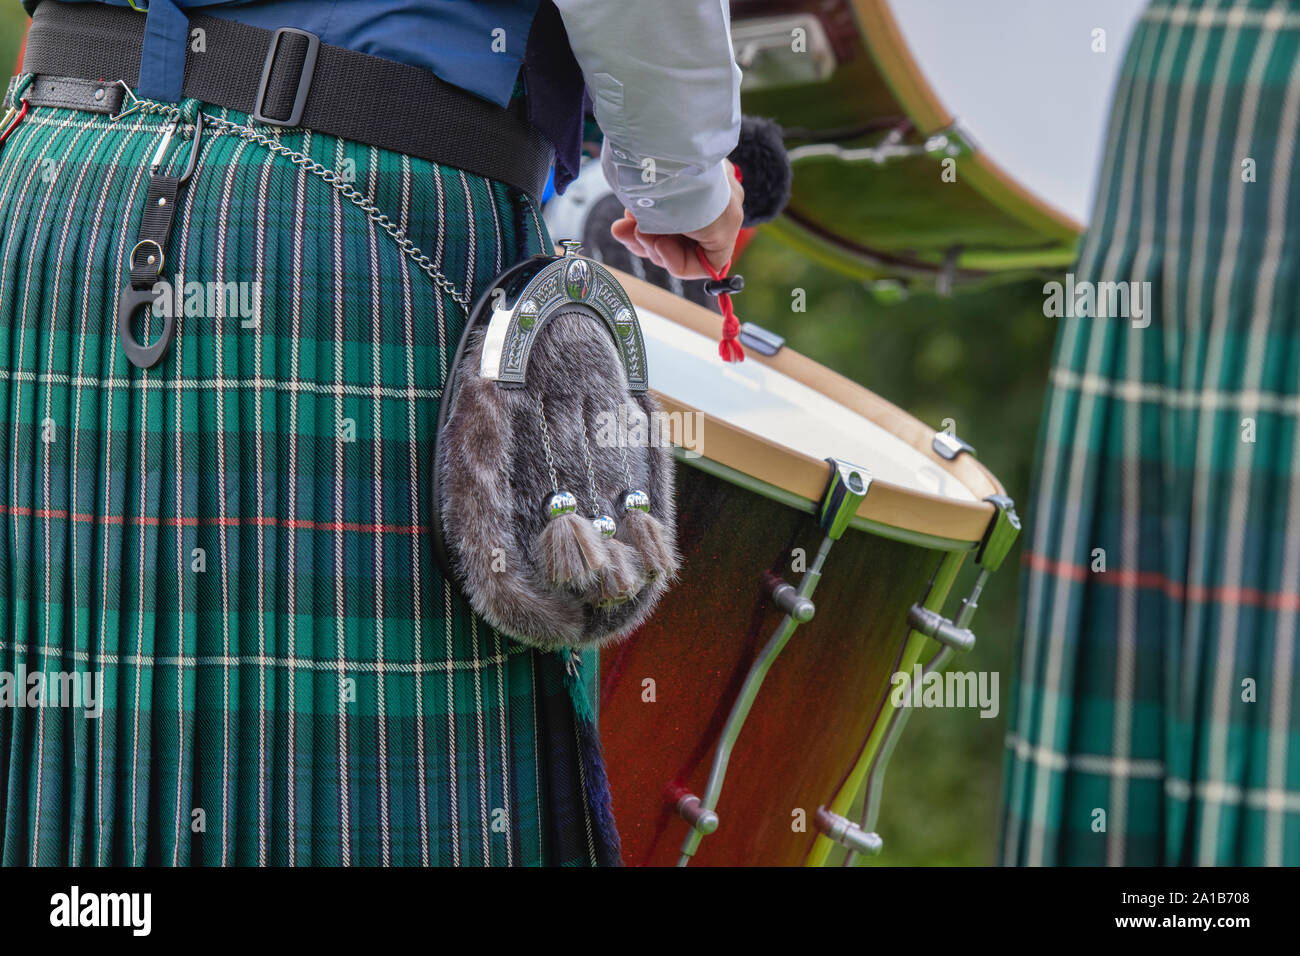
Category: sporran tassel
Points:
column 644, row 533
column 621, row 577
column 571, row 552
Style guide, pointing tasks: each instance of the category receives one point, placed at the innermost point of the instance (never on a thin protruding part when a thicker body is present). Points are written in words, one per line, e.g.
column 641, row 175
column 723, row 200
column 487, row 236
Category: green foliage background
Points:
column 13, row 23
column 979, row 358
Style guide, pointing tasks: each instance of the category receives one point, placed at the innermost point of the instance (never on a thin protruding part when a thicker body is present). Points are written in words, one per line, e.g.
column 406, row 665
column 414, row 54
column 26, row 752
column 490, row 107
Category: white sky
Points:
column 1022, row 80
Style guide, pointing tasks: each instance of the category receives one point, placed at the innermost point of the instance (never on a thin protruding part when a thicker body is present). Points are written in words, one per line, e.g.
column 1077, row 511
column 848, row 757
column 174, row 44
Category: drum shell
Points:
column 816, row 708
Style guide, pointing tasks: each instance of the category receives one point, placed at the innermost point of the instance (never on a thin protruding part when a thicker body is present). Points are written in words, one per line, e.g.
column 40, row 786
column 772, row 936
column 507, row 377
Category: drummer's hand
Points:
column 676, row 253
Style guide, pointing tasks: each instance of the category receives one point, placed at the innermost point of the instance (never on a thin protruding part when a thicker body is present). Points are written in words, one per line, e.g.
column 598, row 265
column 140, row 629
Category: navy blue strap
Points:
column 162, row 56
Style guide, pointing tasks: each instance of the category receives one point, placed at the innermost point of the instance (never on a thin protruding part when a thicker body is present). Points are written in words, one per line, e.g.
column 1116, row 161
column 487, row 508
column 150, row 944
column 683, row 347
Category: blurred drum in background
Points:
column 935, row 142
column 718, row 714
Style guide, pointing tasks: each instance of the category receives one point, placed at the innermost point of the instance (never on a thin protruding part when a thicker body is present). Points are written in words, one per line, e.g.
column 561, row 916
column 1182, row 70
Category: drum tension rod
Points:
column 847, row 833
column 998, row 538
column 945, row 143
column 955, row 635
column 847, row 487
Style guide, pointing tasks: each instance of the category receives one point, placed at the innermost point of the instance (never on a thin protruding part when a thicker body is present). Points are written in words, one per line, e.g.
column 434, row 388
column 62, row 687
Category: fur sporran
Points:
column 553, row 489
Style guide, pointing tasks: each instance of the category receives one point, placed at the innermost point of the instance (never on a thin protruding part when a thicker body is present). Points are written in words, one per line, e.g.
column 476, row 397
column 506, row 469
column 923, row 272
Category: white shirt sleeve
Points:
column 664, row 80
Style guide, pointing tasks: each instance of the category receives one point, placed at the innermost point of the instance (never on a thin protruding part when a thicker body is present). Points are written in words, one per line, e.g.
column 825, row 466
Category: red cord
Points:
column 14, row 125
column 729, row 348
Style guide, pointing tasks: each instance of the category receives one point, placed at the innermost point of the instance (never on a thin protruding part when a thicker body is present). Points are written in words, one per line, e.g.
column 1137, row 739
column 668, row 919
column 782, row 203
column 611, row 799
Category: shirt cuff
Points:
column 677, row 204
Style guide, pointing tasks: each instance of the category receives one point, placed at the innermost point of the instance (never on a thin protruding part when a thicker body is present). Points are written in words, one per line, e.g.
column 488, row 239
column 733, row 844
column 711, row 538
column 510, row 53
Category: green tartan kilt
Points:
column 236, row 542
column 1155, row 718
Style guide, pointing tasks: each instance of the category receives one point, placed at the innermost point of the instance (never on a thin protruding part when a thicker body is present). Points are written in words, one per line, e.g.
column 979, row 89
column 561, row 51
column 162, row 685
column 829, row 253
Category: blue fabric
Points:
column 162, row 67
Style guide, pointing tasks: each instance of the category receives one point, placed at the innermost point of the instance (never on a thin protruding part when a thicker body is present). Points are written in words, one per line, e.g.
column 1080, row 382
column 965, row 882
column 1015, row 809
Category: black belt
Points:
column 288, row 78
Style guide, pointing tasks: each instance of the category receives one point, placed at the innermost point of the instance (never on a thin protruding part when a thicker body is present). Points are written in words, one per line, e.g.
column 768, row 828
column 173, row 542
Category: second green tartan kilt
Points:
column 1155, row 718
column 238, row 539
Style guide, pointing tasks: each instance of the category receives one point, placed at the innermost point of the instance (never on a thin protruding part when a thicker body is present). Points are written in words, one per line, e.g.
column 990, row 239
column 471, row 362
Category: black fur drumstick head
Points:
column 765, row 169
column 531, row 564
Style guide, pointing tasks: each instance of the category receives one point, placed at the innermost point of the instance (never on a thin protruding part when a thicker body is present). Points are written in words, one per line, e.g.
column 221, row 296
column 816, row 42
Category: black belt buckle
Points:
column 304, row 78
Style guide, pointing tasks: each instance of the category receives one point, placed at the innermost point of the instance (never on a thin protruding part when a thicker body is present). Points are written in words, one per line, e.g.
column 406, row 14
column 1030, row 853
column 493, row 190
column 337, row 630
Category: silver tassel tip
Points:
column 560, row 503
column 636, row 501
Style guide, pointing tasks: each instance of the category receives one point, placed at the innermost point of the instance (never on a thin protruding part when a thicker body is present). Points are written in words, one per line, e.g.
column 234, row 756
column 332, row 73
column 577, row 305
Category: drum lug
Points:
column 947, row 143
column 788, row 599
column 1001, row 534
column 847, row 834
column 848, row 486
column 691, row 809
column 935, row 625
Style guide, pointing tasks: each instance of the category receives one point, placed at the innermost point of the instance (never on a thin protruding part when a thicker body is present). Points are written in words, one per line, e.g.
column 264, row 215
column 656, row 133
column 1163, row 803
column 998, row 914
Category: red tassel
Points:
column 729, row 348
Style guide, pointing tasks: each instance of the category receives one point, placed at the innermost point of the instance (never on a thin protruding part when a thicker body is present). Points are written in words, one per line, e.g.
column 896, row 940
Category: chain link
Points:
column 591, row 466
column 625, row 439
column 347, row 190
column 546, row 446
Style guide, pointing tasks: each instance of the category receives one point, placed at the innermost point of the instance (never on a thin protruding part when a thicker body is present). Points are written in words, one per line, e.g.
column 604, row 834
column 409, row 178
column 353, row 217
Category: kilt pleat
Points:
column 237, row 541
column 1154, row 719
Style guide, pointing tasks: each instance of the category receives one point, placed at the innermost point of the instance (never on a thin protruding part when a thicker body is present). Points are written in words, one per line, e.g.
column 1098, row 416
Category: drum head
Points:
column 1023, row 79
column 771, row 422
column 765, row 401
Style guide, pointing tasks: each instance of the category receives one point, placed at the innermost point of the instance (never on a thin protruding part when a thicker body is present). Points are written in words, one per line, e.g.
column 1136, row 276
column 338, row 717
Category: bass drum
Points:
column 798, row 732
column 940, row 142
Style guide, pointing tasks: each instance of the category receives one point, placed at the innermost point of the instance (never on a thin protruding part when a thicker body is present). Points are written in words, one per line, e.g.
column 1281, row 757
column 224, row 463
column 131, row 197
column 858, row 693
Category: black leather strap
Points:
column 146, row 262
column 343, row 93
column 155, row 231
column 69, row 92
